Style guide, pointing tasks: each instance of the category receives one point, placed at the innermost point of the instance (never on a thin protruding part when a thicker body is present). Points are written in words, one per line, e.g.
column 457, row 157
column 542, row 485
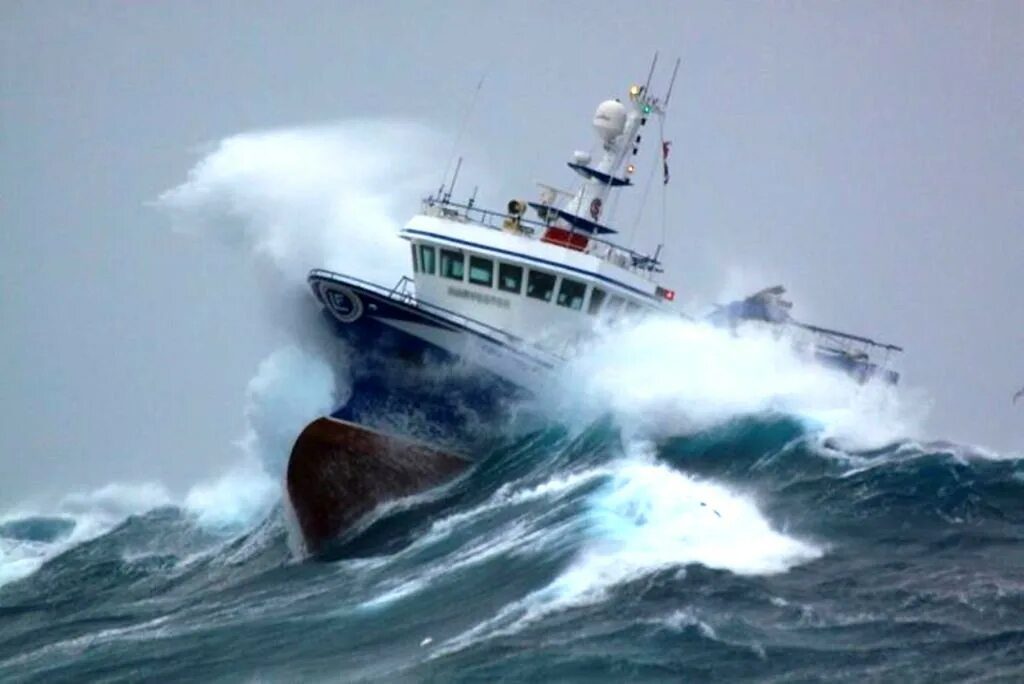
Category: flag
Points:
column 665, row 144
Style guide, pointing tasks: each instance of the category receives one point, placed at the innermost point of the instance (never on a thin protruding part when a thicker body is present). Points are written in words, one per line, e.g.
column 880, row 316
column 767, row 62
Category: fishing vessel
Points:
column 498, row 299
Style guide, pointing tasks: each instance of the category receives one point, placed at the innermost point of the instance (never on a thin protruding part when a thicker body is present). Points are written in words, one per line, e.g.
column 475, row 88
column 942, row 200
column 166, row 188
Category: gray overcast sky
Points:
column 869, row 155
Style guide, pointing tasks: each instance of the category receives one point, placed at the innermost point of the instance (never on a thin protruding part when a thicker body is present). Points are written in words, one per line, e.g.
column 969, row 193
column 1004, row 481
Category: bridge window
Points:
column 510, row 278
column 481, row 271
column 426, row 259
column 597, row 296
column 415, row 264
column 571, row 293
column 453, row 264
column 540, row 285
column 614, row 305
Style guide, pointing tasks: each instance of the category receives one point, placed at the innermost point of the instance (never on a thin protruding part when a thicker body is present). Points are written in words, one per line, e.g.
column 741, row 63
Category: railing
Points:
column 847, row 338
column 402, row 292
column 612, row 253
column 853, row 347
column 467, row 213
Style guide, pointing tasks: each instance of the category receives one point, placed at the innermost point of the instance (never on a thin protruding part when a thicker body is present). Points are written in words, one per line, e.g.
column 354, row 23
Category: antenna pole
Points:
column 650, row 74
column 455, row 177
column 671, row 83
column 462, row 125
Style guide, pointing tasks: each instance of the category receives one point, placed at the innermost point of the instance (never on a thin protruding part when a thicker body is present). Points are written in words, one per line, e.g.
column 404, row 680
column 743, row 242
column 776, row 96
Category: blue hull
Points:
column 401, row 381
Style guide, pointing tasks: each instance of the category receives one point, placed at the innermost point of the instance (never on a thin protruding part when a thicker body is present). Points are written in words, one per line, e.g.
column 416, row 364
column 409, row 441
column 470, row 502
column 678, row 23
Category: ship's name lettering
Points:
column 481, row 297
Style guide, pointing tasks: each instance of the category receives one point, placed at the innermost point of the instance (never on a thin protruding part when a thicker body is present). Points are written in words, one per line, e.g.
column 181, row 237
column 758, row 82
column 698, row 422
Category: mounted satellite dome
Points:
column 613, row 124
column 610, row 120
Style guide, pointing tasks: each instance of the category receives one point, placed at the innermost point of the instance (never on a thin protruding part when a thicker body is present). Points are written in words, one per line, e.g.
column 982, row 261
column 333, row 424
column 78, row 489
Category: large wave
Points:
column 641, row 518
column 28, row 538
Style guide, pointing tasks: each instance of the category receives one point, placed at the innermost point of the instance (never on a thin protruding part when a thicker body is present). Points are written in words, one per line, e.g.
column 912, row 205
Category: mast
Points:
column 618, row 127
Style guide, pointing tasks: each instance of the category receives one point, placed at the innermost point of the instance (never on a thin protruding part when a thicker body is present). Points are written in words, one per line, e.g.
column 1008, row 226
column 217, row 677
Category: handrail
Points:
column 401, row 289
column 846, row 336
column 637, row 261
column 398, row 292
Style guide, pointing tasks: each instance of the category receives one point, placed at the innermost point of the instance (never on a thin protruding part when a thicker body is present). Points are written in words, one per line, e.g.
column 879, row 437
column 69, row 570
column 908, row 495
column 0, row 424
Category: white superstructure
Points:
column 547, row 279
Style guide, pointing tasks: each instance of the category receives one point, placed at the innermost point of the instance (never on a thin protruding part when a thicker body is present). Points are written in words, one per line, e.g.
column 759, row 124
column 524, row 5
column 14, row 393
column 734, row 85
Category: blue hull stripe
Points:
column 524, row 257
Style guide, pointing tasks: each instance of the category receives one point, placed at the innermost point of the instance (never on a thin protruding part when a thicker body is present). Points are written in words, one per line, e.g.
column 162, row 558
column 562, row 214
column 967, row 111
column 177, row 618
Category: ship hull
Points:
column 423, row 386
column 339, row 472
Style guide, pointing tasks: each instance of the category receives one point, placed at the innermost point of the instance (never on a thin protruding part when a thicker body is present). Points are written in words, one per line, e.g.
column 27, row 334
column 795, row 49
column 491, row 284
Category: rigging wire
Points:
column 643, row 202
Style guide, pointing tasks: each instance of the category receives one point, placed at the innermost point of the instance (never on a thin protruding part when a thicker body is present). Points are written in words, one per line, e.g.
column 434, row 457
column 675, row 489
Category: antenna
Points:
column 668, row 95
column 462, row 126
column 650, row 74
column 451, row 186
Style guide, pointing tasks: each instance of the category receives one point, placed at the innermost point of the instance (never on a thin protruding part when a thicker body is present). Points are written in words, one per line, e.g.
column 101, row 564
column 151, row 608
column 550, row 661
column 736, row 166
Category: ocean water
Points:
column 748, row 551
column 682, row 505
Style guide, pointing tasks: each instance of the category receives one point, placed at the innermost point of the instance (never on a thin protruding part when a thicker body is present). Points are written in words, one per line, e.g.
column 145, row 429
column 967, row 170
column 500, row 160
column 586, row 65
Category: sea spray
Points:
column 330, row 196
column 664, row 376
column 290, row 388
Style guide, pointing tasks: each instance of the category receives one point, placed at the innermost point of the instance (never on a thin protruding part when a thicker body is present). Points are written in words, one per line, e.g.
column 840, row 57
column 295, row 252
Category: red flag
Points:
column 665, row 144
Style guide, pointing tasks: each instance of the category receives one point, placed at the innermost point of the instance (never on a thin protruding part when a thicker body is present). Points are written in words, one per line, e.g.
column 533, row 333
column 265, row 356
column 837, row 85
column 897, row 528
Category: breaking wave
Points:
column 673, row 376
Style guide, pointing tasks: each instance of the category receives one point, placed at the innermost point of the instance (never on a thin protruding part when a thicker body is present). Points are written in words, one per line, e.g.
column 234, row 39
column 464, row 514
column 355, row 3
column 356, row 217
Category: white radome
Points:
column 610, row 120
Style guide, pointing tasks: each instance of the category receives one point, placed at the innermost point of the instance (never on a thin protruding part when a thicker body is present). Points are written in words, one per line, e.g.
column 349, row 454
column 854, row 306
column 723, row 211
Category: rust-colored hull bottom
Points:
column 338, row 472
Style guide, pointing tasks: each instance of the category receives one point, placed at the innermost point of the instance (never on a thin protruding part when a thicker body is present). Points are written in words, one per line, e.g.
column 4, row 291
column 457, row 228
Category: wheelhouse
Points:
column 535, row 289
column 547, row 276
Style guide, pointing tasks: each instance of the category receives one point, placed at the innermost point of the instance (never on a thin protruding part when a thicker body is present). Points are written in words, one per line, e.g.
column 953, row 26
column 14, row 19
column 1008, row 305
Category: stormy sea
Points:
column 683, row 505
column 748, row 551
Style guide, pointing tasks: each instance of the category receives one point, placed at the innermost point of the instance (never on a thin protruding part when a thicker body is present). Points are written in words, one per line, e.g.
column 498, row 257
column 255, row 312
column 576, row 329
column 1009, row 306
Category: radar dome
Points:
column 610, row 120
